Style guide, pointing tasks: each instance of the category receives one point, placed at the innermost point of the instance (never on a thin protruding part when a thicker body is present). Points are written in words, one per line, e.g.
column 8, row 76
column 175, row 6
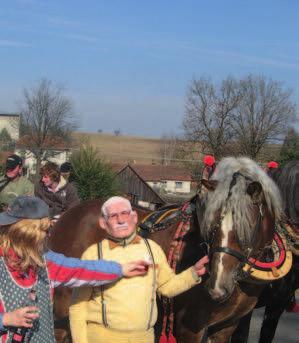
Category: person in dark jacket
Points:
column 66, row 170
column 56, row 192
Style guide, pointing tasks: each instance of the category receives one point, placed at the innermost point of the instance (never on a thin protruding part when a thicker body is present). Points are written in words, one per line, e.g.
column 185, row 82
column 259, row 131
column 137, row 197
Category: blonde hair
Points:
column 27, row 240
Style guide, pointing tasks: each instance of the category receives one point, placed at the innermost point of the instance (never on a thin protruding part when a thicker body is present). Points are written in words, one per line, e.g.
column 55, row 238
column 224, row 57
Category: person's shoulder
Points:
column 154, row 245
column 67, row 186
column 25, row 180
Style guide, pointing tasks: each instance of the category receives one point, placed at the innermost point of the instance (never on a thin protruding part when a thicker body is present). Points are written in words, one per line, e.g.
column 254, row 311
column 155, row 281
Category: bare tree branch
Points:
column 208, row 114
column 46, row 119
column 263, row 114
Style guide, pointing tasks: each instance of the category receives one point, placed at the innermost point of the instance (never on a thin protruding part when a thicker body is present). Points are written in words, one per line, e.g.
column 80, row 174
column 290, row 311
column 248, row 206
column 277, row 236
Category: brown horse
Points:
column 237, row 219
column 277, row 295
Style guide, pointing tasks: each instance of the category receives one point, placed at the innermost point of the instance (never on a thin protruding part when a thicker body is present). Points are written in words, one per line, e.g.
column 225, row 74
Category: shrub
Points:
column 93, row 177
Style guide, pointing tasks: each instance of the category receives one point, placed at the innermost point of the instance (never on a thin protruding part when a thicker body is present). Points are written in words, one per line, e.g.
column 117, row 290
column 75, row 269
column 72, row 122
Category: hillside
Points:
column 145, row 150
column 122, row 148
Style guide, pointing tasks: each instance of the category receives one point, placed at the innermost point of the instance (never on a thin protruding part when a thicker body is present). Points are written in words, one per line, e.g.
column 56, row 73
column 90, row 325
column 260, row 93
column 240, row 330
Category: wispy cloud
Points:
column 13, row 43
column 63, row 22
column 82, row 38
column 167, row 49
column 255, row 59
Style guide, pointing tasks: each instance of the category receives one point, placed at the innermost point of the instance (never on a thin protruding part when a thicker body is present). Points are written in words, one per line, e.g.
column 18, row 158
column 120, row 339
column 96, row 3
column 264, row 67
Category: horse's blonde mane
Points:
column 239, row 201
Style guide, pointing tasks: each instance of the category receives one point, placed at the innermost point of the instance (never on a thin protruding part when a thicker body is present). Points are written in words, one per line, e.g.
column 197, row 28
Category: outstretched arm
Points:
column 73, row 272
column 171, row 284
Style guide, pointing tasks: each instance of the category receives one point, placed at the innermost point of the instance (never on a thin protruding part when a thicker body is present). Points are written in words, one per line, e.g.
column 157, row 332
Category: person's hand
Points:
column 135, row 268
column 199, row 267
column 21, row 317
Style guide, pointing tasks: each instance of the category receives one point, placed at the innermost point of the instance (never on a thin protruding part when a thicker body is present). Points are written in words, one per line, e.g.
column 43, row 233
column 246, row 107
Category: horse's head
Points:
column 241, row 207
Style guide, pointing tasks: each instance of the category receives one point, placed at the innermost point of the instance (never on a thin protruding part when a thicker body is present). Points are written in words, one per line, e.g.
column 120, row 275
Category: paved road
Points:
column 286, row 332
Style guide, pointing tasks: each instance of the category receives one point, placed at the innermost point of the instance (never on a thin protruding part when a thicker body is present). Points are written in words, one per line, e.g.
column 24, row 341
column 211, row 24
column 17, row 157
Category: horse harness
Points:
column 227, row 250
column 251, row 262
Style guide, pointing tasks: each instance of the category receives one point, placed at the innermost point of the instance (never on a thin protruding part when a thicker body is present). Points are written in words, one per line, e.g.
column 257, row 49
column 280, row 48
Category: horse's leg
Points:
column 270, row 321
column 223, row 335
column 242, row 331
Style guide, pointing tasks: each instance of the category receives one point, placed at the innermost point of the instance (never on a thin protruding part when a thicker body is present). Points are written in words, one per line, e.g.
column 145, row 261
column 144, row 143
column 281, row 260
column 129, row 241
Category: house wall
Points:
column 172, row 186
column 30, row 161
column 12, row 124
column 131, row 183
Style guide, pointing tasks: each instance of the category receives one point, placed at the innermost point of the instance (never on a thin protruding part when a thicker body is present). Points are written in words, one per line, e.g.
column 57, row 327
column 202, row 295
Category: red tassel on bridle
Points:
column 173, row 256
column 163, row 338
column 171, row 338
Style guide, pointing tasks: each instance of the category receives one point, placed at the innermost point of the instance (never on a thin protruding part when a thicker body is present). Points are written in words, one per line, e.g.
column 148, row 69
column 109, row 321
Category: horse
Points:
column 277, row 295
column 235, row 220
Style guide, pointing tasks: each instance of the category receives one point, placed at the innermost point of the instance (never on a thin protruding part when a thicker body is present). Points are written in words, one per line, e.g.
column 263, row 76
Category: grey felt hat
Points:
column 24, row 207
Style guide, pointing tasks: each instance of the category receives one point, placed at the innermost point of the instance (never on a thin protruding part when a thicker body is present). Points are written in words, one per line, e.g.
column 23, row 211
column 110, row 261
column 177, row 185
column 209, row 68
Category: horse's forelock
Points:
column 239, row 202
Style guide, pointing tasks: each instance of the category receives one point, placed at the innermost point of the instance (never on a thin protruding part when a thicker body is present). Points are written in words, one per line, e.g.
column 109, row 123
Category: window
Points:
column 178, row 184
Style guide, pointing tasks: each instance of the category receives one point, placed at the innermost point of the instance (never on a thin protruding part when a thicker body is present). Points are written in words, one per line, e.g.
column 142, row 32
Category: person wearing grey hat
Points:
column 14, row 183
column 26, row 265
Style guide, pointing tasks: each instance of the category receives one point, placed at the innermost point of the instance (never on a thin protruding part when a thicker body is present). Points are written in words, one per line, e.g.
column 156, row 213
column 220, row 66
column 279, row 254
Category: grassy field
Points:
column 143, row 150
column 122, row 148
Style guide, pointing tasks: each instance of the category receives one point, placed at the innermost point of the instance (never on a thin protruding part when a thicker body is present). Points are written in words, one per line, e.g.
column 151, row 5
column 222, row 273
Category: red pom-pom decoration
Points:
column 272, row 165
column 209, row 160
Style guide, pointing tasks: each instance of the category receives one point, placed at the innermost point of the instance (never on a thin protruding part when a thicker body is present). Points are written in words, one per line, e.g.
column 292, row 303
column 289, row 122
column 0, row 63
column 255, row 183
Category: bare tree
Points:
column 263, row 114
column 208, row 114
column 46, row 120
column 169, row 148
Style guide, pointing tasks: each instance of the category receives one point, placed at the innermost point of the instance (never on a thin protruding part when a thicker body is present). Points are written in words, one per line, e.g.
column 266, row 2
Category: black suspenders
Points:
column 102, row 287
column 104, row 313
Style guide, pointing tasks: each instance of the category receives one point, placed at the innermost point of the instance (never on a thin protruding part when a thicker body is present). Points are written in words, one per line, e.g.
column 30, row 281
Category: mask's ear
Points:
column 254, row 189
column 103, row 223
column 135, row 217
column 209, row 184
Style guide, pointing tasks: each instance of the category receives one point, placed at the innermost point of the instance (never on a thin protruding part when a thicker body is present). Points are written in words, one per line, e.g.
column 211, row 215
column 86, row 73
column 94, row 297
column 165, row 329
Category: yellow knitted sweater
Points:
column 128, row 301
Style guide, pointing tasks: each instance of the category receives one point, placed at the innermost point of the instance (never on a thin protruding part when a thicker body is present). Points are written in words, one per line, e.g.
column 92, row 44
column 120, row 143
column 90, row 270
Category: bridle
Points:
column 242, row 258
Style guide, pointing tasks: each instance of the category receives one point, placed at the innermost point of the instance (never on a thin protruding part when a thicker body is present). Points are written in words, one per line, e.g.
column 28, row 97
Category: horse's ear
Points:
column 209, row 184
column 254, row 189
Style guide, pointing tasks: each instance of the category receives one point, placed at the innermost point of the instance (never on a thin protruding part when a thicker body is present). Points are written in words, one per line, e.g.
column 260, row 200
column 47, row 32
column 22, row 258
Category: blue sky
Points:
column 127, row 64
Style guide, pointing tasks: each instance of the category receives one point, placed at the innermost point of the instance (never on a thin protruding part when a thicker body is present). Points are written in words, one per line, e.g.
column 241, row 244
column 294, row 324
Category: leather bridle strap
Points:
column 231, row 252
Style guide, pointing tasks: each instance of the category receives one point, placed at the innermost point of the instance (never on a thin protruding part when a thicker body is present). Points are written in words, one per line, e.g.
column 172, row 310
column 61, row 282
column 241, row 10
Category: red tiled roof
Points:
column 157, row 172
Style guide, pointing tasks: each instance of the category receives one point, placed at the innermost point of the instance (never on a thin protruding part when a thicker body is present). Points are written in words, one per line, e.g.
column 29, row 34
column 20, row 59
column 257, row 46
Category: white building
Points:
column 58, row 156
column 172, row 179
column 11, row 122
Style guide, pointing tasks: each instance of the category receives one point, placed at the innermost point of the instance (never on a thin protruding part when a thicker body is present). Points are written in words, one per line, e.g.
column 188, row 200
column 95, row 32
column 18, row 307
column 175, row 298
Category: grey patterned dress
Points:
column 14, row 296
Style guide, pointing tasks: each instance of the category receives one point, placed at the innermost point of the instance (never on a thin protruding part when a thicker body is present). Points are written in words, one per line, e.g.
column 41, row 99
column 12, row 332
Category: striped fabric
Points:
column 68, row 272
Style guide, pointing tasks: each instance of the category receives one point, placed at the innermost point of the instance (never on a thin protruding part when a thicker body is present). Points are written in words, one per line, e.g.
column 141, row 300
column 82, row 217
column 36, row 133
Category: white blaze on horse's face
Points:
column 223, row 284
